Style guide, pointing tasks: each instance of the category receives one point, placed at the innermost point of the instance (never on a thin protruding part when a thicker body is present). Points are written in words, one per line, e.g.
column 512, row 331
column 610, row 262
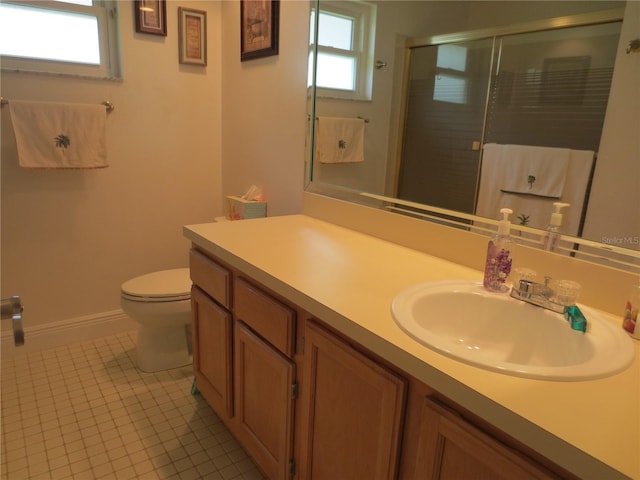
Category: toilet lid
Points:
column 167, row 284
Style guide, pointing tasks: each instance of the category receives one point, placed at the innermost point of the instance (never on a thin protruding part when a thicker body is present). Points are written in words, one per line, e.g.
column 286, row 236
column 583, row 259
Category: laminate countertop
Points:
column 348, row 280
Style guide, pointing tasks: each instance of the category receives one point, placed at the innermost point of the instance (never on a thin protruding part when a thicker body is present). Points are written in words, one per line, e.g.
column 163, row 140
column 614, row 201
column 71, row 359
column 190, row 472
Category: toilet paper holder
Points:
column 12, row 308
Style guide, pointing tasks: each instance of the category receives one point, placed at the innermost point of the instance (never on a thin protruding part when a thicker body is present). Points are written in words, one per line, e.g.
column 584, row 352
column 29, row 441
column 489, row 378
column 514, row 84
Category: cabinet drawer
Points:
column 211, row 277
column 266, row 316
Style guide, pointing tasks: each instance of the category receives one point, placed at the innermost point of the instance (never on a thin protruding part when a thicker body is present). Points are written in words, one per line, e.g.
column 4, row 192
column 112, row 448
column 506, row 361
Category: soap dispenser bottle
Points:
column 552, row 234
column 498, row 263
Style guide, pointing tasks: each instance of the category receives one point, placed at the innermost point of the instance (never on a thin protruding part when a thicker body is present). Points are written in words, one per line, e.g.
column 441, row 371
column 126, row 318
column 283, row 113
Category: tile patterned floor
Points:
column 83, row 411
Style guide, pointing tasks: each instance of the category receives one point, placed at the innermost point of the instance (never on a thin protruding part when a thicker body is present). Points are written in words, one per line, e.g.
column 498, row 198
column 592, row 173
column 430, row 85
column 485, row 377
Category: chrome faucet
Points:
column 539, row 294
column 561, row 301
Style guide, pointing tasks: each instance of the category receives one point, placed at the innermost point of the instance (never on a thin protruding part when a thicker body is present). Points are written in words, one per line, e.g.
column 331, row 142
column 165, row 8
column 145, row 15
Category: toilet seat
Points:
column 163, row 286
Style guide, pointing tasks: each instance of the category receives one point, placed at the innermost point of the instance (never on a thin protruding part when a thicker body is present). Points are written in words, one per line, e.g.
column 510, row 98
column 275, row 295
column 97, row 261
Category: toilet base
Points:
column 162, row 349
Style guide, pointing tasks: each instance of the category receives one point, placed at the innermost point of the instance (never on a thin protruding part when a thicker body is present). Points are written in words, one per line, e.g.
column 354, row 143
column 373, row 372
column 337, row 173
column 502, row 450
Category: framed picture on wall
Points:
column 192, row 34
column 259, row 24
column 151, row 16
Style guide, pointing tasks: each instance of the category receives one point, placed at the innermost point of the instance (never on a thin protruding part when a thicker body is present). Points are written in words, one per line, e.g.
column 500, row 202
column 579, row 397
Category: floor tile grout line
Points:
column 66, row 389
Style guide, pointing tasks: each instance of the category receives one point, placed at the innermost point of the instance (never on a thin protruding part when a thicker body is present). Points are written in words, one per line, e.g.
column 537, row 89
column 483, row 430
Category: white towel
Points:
column 539, row 171
column 538, row 209
column 56, row 135
column 340, row 140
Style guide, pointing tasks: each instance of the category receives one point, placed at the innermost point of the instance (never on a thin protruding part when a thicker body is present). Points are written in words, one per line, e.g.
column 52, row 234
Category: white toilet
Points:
column 160, row 303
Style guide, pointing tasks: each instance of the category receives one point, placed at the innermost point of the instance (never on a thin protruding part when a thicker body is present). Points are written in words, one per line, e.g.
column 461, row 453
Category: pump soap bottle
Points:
column 552, row 236
column 498, row 264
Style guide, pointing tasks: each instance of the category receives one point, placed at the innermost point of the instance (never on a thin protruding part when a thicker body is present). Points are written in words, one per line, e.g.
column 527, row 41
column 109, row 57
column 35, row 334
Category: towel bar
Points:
column 366, row 120
column 12, row 308
column 108, row 105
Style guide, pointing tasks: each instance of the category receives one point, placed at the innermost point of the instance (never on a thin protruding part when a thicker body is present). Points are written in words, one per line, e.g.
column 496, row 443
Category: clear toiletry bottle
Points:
column 498, row 264
column 551, row 237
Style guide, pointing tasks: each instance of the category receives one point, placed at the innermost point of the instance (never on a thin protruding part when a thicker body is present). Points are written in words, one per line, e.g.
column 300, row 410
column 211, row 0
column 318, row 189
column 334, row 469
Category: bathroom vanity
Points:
column 296, row 350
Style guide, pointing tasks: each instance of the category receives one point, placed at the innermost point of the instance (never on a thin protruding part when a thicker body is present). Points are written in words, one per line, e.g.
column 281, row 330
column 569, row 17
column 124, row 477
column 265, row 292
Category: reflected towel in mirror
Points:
column 340, row 140
column 537, row 209
column 539, row 171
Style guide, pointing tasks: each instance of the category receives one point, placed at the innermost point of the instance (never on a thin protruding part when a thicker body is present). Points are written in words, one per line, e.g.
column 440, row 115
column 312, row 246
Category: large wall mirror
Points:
column 454, row 109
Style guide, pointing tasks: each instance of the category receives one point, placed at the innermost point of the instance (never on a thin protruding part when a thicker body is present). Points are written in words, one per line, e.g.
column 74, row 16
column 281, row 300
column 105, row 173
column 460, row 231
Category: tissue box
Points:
column 239, row 209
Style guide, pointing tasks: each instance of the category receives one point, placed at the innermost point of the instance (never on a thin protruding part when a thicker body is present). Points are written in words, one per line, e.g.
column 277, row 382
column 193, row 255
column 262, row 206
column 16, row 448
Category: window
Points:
column 75, row 37
column 345, row 49
column 451, row 83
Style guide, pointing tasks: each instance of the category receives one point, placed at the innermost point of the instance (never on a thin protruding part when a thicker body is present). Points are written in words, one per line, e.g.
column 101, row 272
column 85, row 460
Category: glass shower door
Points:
column 545, row 88
column 551, row 88
column 446, row 101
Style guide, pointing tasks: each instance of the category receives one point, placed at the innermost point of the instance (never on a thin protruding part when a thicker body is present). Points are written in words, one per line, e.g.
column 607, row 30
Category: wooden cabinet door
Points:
column 352, row 412
column 451, row 448
column 263, row 421
column 212, row 351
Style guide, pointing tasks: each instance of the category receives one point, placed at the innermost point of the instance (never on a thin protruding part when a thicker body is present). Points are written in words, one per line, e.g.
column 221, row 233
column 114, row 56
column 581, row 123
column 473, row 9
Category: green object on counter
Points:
column 575, row 317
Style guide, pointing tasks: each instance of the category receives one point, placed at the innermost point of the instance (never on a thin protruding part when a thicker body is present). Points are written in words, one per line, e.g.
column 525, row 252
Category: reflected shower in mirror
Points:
column 544, row 89
column 527, row 81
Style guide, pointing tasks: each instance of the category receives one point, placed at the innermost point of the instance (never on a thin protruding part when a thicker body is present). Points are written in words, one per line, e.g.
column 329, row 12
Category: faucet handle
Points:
column 522, row 273
column 525, row 285
column 524, row 289
column 566, row 292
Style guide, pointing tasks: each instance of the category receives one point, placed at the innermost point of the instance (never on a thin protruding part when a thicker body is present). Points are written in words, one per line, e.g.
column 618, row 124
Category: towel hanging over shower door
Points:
column 536, row 207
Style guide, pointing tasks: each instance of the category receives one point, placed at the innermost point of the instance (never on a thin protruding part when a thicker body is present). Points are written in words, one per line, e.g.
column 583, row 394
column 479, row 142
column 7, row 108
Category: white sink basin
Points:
column 494, row 331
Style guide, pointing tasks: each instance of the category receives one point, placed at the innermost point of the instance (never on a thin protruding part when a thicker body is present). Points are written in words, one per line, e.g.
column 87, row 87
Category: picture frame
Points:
column 259, row 28
column 151, row 16
column 192, row 34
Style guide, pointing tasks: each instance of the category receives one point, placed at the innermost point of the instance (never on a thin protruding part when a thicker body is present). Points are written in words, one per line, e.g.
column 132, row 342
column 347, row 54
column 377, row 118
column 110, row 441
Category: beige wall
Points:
column 619, row 154
column 264, row 111
column 70, row 238
column 180, row 139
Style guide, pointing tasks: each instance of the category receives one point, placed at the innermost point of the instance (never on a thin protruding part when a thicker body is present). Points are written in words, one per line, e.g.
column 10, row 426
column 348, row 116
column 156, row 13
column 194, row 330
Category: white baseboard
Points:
column 63, row 332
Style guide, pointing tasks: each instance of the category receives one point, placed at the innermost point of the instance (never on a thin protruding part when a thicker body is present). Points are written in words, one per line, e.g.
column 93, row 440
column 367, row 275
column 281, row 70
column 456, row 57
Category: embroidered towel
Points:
column 340, row 140
column 538, row 209
column 539, row 171
column 58, row 135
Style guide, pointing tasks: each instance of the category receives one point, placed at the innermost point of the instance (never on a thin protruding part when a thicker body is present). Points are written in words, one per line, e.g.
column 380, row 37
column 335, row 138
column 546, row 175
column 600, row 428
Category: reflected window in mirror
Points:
column 345, row 42
column 451, row 82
